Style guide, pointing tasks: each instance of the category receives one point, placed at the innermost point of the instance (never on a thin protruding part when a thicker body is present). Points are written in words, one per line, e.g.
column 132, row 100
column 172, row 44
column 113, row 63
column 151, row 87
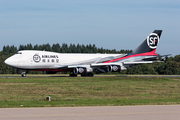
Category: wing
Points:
column 99, row 65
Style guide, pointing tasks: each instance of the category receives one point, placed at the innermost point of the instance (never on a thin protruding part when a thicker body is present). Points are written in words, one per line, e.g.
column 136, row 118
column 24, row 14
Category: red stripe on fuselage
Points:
column 152, row 53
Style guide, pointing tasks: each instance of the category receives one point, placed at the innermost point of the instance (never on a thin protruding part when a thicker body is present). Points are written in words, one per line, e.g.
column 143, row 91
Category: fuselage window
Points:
column 19, row 53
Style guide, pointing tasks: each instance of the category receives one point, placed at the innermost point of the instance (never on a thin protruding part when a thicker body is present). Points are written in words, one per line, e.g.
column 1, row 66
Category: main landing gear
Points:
column 83, row 75
column 73, row 75
column 87, row 75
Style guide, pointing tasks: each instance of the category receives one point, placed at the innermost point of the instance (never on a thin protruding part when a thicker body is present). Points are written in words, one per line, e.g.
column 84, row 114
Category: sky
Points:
column 111, row 24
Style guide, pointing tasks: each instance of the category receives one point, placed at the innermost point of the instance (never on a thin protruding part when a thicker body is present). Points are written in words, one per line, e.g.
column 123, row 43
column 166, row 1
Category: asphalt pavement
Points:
column 154, row 112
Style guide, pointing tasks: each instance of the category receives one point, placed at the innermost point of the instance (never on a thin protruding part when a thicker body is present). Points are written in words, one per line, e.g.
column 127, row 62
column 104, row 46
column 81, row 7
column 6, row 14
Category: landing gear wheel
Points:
column 83, row 75
column 87, row 75
column 23, row 74
column 91, row 74
column 73, row 75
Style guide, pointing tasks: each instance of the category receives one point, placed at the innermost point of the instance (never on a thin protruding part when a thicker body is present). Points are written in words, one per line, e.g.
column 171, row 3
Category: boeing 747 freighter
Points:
column 86, row 64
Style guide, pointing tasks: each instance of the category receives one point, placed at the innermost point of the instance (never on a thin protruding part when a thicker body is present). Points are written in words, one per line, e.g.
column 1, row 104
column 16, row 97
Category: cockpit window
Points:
column 19, row 53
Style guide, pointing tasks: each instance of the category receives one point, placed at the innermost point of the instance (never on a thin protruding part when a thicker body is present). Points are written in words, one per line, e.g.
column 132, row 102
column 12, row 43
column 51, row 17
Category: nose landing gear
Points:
column 23, row 74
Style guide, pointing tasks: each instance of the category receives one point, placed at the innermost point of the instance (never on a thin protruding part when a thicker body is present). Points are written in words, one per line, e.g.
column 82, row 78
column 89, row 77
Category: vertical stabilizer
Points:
column 149, row 44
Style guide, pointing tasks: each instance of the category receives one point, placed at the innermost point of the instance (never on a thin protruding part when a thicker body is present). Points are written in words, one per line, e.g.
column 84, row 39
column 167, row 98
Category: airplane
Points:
column 85, row 64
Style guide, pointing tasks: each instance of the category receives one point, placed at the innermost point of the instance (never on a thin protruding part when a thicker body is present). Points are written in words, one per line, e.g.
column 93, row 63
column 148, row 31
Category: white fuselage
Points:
column 33, row 59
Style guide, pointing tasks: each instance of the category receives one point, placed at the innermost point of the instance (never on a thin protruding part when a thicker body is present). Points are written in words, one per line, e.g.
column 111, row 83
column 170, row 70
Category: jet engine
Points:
column 115, row 68
column 79, row 70
column 82, row 70
column 107, row 68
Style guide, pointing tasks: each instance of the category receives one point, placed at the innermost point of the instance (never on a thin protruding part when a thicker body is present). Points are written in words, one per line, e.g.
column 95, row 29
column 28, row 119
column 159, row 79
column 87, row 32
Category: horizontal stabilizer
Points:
column 141, row 62
column 166, row 55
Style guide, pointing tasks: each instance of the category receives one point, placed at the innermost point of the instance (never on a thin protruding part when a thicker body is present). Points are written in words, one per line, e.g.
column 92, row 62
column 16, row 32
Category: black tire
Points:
column 23, row 75
column 73, row 75
column 91, row 74
column 87, row 75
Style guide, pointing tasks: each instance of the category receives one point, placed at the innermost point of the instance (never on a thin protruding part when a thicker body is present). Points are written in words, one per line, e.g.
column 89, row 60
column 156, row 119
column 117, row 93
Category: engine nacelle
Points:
column 79, row 70
column 108, row 68
column 115, row 68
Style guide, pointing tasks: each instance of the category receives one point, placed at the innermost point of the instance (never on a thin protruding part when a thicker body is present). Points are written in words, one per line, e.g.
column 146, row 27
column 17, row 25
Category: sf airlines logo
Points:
column 36, row 58
column 152, row 40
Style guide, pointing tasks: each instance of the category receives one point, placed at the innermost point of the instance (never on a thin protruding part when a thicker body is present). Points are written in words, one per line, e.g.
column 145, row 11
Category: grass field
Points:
column 88, row 91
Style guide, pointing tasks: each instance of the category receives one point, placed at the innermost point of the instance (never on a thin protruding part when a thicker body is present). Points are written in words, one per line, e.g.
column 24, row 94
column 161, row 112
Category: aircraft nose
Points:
column 10, row 61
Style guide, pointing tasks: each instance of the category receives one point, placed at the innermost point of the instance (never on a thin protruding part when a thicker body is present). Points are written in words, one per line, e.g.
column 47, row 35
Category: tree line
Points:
column 64, row 48
column 171, row 66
